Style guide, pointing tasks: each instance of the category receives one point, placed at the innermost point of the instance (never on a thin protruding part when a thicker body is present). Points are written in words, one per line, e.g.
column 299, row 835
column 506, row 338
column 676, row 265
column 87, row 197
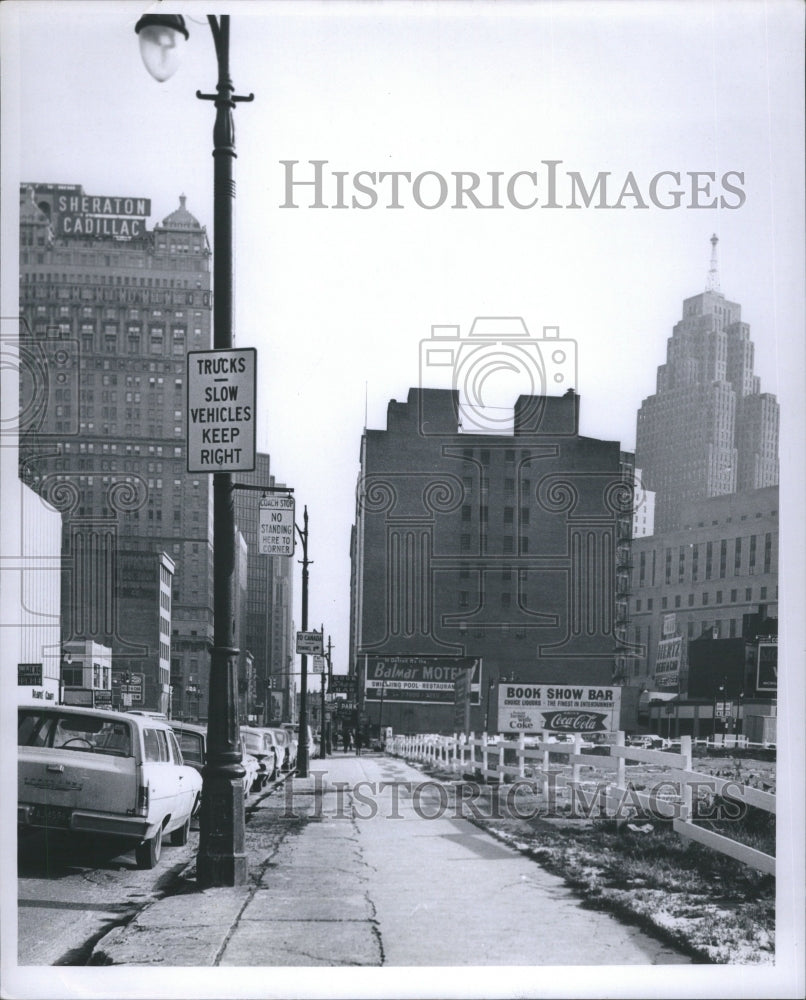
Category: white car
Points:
column 289, row 745
column 193, row 744
column 106, row 773
column 260, row 744
column 293, row 728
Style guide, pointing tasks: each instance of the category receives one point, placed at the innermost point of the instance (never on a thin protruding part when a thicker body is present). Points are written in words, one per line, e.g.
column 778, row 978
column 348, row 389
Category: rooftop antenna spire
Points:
column 712, row 284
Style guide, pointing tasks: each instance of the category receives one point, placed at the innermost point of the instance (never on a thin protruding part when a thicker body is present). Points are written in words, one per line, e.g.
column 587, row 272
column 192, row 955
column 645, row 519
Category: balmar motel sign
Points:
column 101, row 215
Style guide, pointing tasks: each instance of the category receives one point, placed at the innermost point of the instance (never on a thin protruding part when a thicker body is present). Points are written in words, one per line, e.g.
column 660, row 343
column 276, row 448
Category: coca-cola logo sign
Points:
column 575, row 721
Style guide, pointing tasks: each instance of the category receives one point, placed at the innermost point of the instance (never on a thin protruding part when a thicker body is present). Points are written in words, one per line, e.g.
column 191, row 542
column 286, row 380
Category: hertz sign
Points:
column 100, row 215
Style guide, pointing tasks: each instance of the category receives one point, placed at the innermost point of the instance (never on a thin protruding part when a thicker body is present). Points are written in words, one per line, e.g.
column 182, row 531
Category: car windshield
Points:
column 254, row 744
column 75, row 732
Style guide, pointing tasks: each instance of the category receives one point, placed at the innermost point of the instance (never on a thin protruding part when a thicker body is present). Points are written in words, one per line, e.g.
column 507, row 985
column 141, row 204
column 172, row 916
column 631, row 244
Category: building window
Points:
column 695, row 563
column 763, row 594
column 464, row 543
column 737, row 556
column 509, row 515
column 752, row 560
column 650, row 603
column 719, row 597
column 691, row 600
column 767, row 552
column 723, row 557
column 677, row 600
column 668, row 565
column 509, row 543
column 705, row 597
column 748, row 594
column 466, row 512
column 709, row 558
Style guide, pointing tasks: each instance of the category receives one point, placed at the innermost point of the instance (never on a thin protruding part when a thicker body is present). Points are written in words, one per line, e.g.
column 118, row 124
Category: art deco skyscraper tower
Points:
column 708, row 430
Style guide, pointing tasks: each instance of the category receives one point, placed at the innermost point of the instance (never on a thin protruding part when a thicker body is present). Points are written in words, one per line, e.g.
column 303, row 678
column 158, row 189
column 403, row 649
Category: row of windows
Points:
column 524, row 514
column 707, row 560
column 705, row 598
column 507, row 543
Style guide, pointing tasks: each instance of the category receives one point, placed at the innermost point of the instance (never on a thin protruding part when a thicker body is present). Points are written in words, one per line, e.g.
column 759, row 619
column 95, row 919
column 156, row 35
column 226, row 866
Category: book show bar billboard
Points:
column 558, row 708
column 421, row 679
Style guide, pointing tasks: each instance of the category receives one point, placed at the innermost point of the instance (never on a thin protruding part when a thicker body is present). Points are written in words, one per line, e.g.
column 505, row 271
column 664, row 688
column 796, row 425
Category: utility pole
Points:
column 302, row 747
column 322, row 735
column 329, row 689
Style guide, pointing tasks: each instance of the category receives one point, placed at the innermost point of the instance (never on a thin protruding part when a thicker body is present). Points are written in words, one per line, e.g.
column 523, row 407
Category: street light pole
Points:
column 221, row 858
column 302, row 745
column 322, row 734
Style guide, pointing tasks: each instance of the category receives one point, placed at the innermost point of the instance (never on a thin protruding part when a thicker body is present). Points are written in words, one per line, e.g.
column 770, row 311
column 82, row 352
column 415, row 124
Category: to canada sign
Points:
column 221, row 410
column 557, row 708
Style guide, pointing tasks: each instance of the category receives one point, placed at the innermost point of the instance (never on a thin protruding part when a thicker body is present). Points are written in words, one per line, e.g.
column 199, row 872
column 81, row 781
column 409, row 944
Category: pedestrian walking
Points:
column 358, row 742
column 345, row 734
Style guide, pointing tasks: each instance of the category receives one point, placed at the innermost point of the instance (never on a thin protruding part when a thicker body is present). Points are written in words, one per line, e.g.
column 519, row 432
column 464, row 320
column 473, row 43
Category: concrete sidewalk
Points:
column 366, row 863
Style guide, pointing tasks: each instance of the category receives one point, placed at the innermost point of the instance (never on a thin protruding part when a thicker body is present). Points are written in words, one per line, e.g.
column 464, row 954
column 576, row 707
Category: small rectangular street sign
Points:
column 221, row 390
column 342, row 684
column 276, row 536
column 310, row 643
column 29, row 673
column 318, row 664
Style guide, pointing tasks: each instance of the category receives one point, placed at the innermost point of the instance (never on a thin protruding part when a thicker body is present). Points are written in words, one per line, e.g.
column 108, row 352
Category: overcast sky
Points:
column 338, row 301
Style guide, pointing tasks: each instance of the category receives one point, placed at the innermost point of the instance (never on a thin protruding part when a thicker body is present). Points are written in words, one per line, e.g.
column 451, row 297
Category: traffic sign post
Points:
column 310, row 643
column 221, row 390
column 276, row 526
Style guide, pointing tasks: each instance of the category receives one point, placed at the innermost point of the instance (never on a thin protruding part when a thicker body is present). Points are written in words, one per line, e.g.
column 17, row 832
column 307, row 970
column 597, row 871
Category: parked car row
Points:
column 135, row 776
column 104, row 773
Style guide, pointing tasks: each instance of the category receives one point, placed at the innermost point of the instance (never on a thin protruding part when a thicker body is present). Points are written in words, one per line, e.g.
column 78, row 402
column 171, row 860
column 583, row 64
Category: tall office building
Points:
column 269, row 595
column 109, row 310
column 708, row 430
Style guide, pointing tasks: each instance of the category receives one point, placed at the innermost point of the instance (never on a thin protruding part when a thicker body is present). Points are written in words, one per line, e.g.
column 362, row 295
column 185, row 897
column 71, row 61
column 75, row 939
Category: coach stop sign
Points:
column 221, row 410
column 276, row 526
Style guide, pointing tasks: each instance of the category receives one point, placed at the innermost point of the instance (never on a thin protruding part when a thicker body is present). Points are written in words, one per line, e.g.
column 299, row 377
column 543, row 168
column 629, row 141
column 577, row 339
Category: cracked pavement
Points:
column 368, row 863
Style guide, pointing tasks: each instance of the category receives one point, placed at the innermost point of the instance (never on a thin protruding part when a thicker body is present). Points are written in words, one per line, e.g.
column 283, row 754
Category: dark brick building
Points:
column 491, row 554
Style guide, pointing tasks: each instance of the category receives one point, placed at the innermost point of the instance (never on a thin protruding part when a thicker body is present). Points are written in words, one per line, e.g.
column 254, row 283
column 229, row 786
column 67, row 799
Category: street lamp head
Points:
column 162, row 37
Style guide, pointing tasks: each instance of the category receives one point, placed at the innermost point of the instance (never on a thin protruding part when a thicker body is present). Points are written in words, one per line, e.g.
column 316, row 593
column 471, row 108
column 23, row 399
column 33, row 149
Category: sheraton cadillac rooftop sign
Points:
column 81, row 214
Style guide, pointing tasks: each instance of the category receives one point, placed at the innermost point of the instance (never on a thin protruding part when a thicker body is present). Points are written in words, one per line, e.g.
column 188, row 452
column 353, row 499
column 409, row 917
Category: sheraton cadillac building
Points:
column 109, row 309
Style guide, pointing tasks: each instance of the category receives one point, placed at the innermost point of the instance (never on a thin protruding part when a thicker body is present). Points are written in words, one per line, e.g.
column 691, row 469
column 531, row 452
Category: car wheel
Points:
column 180, row 837
column 148, row 853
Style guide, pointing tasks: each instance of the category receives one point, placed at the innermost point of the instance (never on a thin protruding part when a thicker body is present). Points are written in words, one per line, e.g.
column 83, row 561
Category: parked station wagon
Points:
column 106, row 773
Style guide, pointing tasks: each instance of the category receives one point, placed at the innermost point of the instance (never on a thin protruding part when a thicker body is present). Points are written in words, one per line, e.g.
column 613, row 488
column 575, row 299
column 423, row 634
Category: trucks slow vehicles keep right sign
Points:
column 558, row 708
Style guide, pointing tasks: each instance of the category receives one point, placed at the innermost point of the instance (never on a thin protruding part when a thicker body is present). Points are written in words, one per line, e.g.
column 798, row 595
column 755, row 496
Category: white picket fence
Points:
column 500, row 759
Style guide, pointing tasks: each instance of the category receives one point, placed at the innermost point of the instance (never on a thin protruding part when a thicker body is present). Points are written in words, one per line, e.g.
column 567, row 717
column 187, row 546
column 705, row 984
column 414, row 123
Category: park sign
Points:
column 221, row 389
column 276, row 537
column 558, row 708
